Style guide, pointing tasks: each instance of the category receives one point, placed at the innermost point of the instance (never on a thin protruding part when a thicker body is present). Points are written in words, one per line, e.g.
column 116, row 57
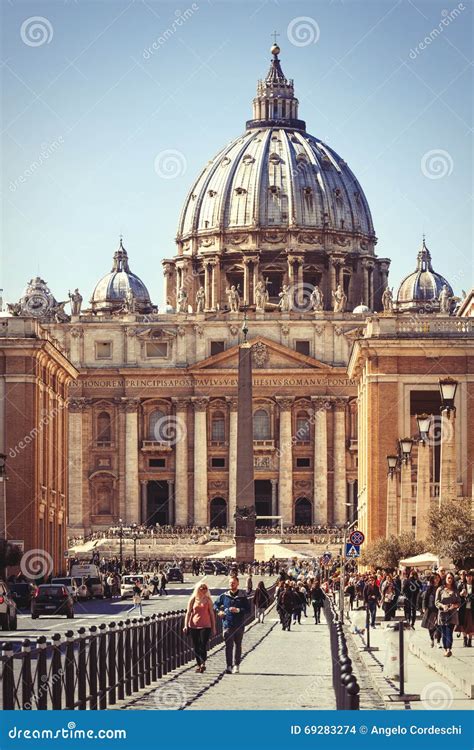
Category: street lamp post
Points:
column 121, row 543
column 135, row 537
column 3, row 496
column 342, row 578
column 392, row 498
column 406, row 500
column 423, row 484
column 448, row 475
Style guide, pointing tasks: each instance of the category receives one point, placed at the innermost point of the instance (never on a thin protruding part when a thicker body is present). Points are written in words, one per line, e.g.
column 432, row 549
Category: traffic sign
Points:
column 356, row 537
column 352, row 550
column 327, row 557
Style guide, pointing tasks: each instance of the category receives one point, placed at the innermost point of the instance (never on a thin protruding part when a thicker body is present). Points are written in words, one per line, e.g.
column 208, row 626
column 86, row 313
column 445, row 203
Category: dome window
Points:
column 225, row 161
column 240, row 191
column 274, row 158
column 273, row 189
column 302, row 158
column 307, row 190
column 211, row 193
column 248, row 159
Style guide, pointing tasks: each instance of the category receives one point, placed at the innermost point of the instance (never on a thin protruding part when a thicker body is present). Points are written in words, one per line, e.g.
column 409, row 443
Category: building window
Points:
column 261, row 425
column 218, row 463
column 303, row 429
column 157, row 422
column 218, row 427
column 103, row 349
column 217, row 347
column 302, row 347
column 303, row 463
column 104, row 428
column 157, row 349
column 157, row 463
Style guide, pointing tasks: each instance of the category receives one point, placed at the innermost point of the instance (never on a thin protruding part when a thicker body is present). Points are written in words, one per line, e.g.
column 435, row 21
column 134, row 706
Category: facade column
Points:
column 391, row 527
column 365, row 283
column 132, row 507
column 171, row 503
column 320, row 498
column 255, row 276
column 181, row 464
column 285, row 474
column 448, row 487
column 144, row 501
column 246, row 299
column 207, row 287
column 423, row 495
column 274, row 483
column 232, row 458
column 299, row 282
column 406, row 498
column 216, row 285
column 339, row 474
column 75, row 509
column 200, row 462
column 291, row 271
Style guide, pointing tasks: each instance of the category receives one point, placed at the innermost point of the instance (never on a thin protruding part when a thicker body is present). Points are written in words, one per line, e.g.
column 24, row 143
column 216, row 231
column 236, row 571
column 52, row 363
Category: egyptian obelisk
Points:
column 245, row 494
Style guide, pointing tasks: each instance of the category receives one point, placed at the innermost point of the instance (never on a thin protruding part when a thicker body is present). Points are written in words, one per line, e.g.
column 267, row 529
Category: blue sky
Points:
column 87, row 108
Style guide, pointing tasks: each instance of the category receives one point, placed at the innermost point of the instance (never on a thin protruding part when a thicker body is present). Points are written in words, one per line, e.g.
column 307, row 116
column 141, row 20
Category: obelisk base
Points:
column 245, row 540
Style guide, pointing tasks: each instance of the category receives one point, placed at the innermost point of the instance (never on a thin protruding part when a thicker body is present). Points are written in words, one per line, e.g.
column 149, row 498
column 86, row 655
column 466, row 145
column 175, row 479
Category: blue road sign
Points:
column 352, row 550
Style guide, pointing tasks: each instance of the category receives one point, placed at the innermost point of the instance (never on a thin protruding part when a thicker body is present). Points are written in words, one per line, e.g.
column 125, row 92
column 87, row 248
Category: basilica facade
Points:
column 277, row 228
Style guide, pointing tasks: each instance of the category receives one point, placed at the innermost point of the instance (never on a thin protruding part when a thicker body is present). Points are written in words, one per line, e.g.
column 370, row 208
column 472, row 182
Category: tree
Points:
column 451, row 530
column 10, row 554
column 387, row 553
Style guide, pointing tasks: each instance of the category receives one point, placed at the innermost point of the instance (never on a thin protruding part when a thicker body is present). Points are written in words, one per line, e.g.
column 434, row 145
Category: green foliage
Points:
column 451, row 530
column 387, row 553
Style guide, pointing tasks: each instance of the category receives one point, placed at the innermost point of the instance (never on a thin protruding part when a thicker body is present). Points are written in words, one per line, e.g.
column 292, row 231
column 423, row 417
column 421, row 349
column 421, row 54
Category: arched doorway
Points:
column 218, row 513
column 303, row 512
column 263, row 500
column 158, row 504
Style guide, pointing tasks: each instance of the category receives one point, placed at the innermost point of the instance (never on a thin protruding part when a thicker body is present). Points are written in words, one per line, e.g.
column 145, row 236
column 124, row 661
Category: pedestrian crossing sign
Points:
column 352, row 550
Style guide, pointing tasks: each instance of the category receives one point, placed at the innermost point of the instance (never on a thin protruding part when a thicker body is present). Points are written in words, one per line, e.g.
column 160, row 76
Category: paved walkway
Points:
column 279, row 670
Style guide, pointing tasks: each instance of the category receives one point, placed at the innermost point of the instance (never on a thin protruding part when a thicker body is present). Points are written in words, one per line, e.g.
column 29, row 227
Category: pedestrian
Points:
column 466, row 619
column 372, row 598
column 261, row 601
column 232, row 607
column 300, row 604
column 430, row 611
column 249, row 584
column 411, row 591
column 155, row 583
column 448, row 602
column 136, row 598
column 318, row 598
column 387, row 592
column 200, row 621
column 163, row 582
column 290, row 602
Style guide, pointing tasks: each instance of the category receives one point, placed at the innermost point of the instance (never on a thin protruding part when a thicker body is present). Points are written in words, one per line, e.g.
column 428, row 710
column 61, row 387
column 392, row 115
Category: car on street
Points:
column 128, row 582
column 52, row 600
column 174, row 574
column 95, row 587
column 8, row 608
column 22, row 593
column 215, row 568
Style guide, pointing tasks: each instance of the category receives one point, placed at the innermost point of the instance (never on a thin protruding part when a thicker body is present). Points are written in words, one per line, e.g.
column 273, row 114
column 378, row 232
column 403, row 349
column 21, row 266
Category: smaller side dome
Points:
column 121, row 290
column 422, row 288
column 361, row 310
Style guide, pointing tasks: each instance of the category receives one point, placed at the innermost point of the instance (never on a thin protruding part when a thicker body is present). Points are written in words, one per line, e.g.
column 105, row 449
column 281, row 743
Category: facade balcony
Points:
column 264, row 445
column 157, row 445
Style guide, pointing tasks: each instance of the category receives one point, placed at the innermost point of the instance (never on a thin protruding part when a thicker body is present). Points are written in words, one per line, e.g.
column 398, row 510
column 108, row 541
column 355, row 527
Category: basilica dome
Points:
column 120, row 289
column 422, row 287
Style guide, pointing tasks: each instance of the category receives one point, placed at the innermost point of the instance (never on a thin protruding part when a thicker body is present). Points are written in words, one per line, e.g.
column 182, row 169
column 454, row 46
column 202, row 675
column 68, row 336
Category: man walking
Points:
column 232, row 607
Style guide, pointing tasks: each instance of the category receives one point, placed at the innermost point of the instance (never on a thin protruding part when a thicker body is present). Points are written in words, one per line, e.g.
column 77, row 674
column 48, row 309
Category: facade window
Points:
column 104, row 428
column 157, row 425
column 157, row 463
column 103, row 349
column 218, row 462
column 156, row 349
column 218, row 427
column 217, row 347
column 303, row 463
column 261, row 425
column 302, row 347
column 303, row 429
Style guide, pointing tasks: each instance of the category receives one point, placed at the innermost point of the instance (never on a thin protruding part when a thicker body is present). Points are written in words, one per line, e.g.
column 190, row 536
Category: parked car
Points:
column 70, row 583
column 208, row 568
column 22, row 593
column 128, row 582
column 8, row 608
column 220, row 568
column 52, row 600
column 95, row 587
column 175, row 574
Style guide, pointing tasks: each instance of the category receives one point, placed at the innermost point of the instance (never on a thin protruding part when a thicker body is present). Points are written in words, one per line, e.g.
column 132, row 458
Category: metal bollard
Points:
column 70, row 671
column 353, row 689
column 26, row 676
column 401, row 656
column 154, row 648
column 141, row 652
column 93, row 668
column 8, row 688
column 134, row 664
column 112, row 665
column 81, row 670
column 128, row 657
column 147, row 646
column 159, row 645
column 42, row 674
column 120, row 661
column 102, row 667
column 56, row 672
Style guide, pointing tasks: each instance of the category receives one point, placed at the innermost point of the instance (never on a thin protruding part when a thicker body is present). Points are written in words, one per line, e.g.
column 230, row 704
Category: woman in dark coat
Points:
column 466, row 613
column 448, row 602
column 318, row 598
column 261, row 601
column 430, row 611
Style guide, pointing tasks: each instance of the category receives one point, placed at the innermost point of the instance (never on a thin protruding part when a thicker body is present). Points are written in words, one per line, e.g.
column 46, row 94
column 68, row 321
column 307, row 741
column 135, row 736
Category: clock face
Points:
column 37, row 304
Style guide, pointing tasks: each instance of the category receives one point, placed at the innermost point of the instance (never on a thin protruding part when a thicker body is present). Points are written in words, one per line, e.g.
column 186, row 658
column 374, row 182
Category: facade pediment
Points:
column 266, row 355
